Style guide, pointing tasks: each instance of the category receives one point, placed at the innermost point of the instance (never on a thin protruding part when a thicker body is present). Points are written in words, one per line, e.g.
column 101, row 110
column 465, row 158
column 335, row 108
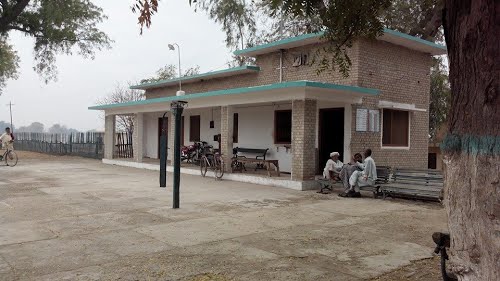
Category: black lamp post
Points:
column 163, row 153
column 177, row 108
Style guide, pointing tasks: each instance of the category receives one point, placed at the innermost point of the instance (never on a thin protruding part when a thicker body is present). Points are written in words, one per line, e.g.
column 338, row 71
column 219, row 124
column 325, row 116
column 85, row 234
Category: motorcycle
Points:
column 192, row 153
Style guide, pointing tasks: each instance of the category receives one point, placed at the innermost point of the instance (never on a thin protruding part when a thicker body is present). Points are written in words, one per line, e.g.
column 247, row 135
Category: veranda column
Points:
column 303, row 139
column 138, row 137
column 226, row 131
column 109, row 136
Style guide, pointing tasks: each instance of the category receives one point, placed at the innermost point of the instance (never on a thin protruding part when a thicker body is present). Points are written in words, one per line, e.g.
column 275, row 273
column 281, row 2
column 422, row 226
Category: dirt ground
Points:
column 68, row 218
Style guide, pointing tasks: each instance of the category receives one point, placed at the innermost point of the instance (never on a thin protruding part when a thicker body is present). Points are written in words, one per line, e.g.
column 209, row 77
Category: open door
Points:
column 331, row 134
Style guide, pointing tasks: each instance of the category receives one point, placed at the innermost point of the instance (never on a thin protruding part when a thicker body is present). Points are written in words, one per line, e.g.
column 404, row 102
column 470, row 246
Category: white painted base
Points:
column 296, row 185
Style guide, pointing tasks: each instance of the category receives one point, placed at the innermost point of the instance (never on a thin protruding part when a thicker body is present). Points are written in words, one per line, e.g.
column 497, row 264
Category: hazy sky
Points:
column 132, row 57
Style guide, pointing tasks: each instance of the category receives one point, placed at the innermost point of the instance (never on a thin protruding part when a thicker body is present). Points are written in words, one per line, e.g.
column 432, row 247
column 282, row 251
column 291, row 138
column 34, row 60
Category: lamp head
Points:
column 171, row 47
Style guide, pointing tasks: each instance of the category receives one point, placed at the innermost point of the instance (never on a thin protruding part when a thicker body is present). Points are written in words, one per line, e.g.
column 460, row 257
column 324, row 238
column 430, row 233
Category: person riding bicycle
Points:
column 7, row 140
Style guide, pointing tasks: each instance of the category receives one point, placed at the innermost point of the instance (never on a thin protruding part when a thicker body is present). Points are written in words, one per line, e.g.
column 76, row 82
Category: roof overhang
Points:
column 199, row 77
column 285, row 91
column 399, row 106
column 391, row 36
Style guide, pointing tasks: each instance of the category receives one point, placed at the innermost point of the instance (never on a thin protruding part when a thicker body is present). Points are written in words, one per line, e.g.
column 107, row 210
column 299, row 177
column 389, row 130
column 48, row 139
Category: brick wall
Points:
column 402, row 76
column 303, row 139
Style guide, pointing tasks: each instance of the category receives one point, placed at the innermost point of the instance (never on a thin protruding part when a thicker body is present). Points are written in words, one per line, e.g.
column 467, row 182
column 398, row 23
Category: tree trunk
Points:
column 472, row 147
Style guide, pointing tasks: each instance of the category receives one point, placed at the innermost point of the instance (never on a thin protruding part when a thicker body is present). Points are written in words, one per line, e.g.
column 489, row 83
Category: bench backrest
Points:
column 258, row 151
column 431, row 178
column 383, row 174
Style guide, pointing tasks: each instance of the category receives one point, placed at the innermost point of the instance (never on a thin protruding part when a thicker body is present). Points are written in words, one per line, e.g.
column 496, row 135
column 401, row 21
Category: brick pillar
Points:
column 303, row 139
column 138, row 137
column 226, row 131
column 109, row 136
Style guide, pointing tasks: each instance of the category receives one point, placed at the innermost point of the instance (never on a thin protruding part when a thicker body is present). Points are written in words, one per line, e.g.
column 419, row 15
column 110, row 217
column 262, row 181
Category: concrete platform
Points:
column 76, row 219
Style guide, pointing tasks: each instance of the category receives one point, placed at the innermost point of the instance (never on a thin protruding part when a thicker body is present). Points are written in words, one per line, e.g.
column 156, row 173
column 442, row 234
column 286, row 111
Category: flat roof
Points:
column 244, row 90
column 199, row 77
column 391, row 36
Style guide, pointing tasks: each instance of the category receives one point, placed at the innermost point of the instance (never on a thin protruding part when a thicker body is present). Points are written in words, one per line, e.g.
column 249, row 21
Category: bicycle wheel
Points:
column 11, row 159
column 219, row 168
column 203, row 165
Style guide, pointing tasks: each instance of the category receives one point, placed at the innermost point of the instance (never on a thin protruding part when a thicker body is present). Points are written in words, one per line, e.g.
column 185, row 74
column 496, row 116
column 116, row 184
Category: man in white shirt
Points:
column 7, row 140
column 333, row 166
column 362, row 178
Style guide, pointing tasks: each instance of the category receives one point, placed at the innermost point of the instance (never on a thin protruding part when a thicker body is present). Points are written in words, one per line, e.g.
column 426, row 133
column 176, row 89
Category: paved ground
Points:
column 76, row 219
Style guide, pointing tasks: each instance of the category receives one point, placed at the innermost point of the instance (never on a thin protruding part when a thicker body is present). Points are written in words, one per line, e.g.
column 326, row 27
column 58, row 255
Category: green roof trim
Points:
column 319, row 34
column 279, row 42
column 201, row 75
column 236, row 91
column 420, row 40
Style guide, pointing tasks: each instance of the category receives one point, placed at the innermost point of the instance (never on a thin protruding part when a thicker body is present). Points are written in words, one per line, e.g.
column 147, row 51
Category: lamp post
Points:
column 177, row 108
column 172, row 48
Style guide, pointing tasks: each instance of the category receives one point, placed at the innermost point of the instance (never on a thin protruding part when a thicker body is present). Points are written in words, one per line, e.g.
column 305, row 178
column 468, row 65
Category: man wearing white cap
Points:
column 333, row 166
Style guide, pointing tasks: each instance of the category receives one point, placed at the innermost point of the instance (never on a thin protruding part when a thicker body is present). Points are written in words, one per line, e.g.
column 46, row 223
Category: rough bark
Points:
column 472, row 147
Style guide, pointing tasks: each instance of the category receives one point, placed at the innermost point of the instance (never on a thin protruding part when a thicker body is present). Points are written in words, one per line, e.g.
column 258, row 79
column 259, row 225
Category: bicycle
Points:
column 10, row 158
column 213, row 161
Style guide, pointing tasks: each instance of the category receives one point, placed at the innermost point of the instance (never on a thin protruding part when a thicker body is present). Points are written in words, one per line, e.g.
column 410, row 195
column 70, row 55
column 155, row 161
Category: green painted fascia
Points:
column 202, row 75
column 235, row 91
column 278, row 43
column 319, row 34
column 416, row 39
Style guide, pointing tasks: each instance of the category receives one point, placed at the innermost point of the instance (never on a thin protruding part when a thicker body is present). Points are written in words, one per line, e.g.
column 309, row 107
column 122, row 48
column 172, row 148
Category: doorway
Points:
column 331, row 134
column 162, row 127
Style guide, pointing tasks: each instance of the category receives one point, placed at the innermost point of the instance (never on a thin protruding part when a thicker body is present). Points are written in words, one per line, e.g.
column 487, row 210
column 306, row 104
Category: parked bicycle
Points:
column 192, row 153
column 10, row 158
column 212, row 160
column 442, row 241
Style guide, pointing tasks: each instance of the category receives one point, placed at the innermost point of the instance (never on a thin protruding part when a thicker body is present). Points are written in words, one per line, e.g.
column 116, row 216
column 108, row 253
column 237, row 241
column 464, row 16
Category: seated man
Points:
column 7, row 140
column 354, row 165
column 333, row 167
column 362, row 178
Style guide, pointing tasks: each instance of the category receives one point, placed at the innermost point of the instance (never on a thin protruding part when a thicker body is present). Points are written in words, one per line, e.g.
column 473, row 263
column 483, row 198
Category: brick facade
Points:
column 401, row 74
column 227, row 134
column 303, row 139
column 138, row 137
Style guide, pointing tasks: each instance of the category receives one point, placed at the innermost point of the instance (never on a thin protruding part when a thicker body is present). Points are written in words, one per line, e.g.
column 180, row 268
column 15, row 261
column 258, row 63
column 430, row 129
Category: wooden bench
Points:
column 261, row 155
column 414, row 184
column 238, row 164
column 383, row 176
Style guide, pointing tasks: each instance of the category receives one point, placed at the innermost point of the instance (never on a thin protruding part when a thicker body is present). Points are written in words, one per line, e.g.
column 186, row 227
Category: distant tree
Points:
column 57, row 27
column 4, row 125
column 35, row 127
column 123, row 93
column 61, row 129
column 170, row 71
column 440, row 98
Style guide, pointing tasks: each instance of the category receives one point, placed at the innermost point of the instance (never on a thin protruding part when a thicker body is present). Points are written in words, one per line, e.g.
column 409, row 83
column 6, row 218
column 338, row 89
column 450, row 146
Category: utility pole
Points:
column 10, row 108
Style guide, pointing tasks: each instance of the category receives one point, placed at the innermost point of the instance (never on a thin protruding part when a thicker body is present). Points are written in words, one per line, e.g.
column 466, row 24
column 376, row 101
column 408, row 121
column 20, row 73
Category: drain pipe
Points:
column 281, row 64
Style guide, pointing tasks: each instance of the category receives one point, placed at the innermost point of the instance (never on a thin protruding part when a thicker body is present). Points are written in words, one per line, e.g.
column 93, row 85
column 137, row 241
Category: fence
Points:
column 79, row 144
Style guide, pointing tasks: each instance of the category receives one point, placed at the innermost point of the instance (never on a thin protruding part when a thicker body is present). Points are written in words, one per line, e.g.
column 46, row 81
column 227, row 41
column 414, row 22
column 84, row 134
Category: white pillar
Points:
column 109, row 136
column 138, row 137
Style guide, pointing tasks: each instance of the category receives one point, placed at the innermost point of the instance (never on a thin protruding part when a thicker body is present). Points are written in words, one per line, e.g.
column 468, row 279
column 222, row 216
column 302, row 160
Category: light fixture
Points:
column 212, row 123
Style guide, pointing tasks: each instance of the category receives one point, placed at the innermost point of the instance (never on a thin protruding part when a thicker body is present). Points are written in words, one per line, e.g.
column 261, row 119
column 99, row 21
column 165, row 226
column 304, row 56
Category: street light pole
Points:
column 177, row 108
column 172, row 48
column 11, row 125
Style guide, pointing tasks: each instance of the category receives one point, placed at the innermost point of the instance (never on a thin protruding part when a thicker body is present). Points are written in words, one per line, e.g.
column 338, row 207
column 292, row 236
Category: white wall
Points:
column 256, row 129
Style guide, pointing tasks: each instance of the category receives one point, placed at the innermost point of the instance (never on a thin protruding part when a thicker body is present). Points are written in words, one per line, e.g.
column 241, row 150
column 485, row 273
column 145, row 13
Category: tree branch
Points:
column 432, row 27
column 10, row 16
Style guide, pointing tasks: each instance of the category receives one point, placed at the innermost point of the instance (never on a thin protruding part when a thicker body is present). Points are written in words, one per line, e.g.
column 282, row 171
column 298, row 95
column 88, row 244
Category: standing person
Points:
column 333, row 167
column 362, row 178
column 7, row 140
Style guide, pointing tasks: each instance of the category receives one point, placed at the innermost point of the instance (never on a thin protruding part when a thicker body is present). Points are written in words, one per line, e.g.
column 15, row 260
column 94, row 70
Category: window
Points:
column 194, row 128
column 235, row 127
column 396, row 128
column 283, row 126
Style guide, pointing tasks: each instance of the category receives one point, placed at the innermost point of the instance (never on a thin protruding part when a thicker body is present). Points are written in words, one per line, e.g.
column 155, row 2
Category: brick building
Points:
column 283, row 104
